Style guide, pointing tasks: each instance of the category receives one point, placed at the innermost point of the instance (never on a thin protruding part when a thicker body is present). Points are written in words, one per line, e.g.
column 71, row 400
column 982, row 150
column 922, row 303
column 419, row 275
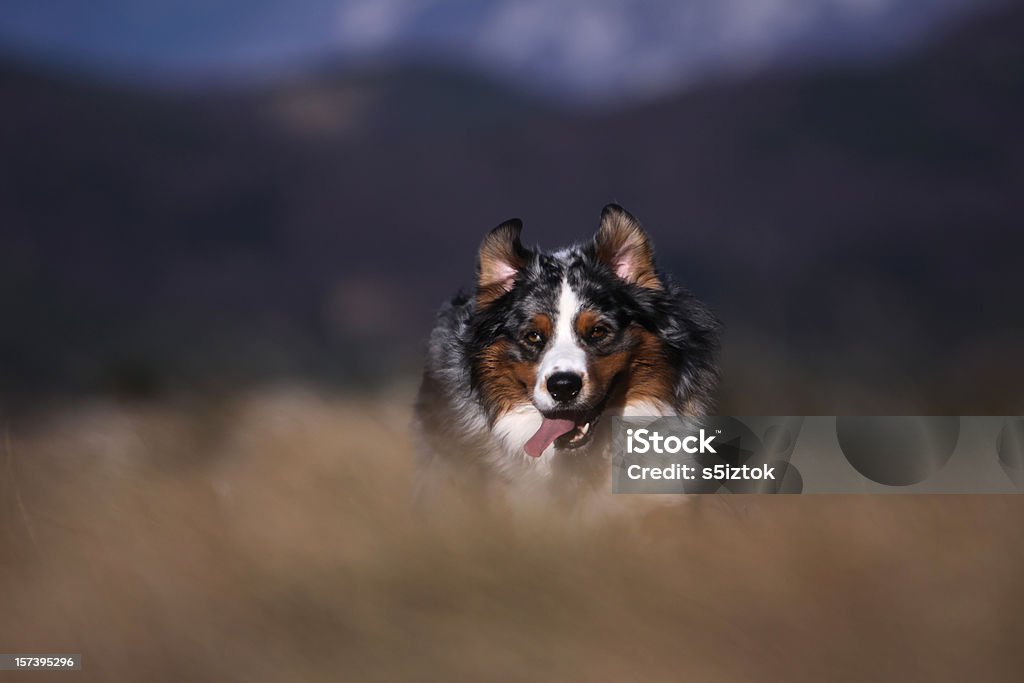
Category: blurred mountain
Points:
column 858, row 229
column 598, row 49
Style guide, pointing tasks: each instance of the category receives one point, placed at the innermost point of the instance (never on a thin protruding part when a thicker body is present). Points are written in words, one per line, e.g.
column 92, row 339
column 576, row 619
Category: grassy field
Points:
column 271, row 537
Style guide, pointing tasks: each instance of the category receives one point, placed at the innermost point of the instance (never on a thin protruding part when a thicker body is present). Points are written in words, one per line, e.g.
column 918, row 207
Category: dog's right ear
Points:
column 502, row 256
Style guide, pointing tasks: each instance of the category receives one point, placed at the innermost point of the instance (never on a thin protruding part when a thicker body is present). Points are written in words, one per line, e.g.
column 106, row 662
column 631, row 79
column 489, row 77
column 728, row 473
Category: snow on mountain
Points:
column 574, row 48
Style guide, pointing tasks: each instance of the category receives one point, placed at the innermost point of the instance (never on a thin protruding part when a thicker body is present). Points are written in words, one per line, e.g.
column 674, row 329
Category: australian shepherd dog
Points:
column 523, row 374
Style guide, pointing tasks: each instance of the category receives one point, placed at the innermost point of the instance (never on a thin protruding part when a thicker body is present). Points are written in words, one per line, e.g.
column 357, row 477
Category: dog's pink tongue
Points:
column 548, row 432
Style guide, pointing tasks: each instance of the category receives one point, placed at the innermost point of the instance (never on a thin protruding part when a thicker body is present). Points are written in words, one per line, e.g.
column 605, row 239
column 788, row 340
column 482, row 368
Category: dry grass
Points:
column 272, row 538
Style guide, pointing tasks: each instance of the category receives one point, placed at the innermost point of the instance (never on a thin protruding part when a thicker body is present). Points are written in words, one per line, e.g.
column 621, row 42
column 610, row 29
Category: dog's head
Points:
column 560, row 339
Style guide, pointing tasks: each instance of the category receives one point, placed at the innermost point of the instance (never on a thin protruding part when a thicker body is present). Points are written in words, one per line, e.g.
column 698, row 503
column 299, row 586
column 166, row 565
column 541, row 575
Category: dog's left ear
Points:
column 622, row 245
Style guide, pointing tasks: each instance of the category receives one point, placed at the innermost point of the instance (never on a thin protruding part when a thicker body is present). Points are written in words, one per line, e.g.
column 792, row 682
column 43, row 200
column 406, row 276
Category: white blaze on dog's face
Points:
column 563, row 338
column 564, row 359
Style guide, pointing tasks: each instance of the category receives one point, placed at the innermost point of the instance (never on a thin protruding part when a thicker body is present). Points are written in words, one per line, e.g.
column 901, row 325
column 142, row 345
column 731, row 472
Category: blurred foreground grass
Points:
column 271, row 537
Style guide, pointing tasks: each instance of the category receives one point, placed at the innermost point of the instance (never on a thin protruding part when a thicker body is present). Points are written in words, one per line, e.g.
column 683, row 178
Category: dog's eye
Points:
column 598, row 332
column 533, row 338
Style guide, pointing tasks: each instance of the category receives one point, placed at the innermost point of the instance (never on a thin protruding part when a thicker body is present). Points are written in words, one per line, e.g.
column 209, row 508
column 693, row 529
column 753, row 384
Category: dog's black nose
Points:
column 564, row 386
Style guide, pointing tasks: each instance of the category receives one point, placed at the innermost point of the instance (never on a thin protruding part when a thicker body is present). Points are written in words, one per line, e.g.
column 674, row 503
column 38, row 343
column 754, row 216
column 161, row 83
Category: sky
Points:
column 581, row 48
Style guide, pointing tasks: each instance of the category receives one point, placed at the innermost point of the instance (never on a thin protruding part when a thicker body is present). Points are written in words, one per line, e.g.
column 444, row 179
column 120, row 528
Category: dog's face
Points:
column 561, row 339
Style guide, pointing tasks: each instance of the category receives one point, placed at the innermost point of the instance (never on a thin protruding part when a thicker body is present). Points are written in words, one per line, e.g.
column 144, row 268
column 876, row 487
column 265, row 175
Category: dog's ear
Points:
column 622, row 245
column 502, row 255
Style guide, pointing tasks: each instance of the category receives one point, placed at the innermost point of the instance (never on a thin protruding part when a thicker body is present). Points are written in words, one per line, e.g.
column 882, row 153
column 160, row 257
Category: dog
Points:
column 523, row 373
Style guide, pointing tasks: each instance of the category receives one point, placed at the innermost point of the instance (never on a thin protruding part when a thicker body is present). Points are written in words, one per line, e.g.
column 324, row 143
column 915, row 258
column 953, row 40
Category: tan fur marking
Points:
column 585, row 322
column 604, row 369
column 542, row 324
column 651, row 375
column 642, row 371
column 504, row 382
